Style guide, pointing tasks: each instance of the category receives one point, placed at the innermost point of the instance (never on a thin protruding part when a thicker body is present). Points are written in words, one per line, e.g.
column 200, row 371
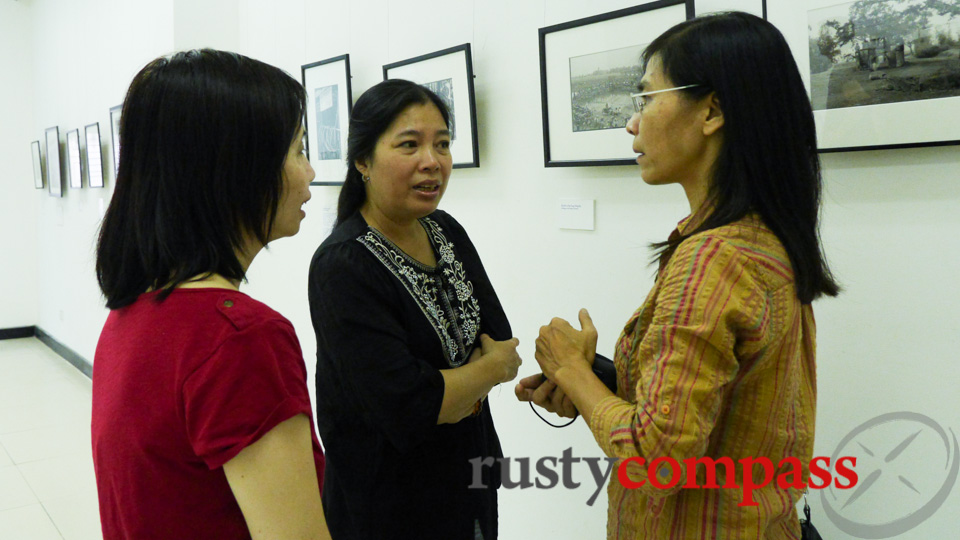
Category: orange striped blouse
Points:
column 719, row 361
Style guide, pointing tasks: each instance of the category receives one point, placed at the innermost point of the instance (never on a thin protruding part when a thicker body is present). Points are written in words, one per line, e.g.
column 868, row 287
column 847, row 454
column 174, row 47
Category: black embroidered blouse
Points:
column 386, row 325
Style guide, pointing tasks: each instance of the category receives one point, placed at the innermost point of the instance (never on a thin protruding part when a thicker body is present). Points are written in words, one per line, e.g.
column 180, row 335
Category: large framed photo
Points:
column 754, row 7
column 74, row 168
column 37, row 164
column 329, row 101
column 94, row 156
column 449, row 73
column 115, row 136
column 884, row 73
column 54, row 180
column 588, row 69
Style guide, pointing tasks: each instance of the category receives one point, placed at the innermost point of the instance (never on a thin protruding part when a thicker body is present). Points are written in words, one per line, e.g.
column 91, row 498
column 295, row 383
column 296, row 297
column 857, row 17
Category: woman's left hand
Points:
column 560, row 345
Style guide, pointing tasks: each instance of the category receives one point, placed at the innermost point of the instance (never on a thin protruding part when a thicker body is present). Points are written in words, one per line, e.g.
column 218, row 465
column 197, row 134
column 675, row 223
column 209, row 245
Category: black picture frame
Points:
column 574, row 134
column 37, row 164
column 74, row 165
column 860, row 105
column 91, row 134
column 327, row 82
column 54, row 178
column 449, row 73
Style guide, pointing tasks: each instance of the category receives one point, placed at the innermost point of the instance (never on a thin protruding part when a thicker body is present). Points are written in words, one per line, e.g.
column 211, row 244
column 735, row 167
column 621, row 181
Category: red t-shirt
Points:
column 180, row 387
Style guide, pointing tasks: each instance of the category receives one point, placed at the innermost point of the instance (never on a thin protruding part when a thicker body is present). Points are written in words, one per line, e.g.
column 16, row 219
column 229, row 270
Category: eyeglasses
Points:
column 639, row 102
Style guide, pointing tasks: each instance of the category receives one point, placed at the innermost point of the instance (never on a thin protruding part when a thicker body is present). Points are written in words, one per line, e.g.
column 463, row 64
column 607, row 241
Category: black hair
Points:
column 372, row 114
column 203, row 137
column 768, row 162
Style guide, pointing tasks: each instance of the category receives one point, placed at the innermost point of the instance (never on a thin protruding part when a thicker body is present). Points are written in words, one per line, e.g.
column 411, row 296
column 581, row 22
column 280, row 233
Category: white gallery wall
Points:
column 891, row 221
column 18, row 197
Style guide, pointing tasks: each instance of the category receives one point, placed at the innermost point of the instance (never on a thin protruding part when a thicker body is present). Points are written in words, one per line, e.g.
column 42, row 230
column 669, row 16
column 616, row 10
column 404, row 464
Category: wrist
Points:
column 569, row 376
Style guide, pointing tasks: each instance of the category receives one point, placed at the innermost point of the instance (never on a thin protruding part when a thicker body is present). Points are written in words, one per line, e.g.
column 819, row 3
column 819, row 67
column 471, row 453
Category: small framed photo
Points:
column 115, row 136
column 449, row 73
column 74, row 168
column 328, row 118
column 54, row 180
column 94, row 157
column 37, row 164
column 754, row 7
column 883, row 76
column 588, row 69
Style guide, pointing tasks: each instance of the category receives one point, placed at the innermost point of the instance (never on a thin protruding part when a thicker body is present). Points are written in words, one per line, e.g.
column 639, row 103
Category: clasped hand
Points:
column 558, row 345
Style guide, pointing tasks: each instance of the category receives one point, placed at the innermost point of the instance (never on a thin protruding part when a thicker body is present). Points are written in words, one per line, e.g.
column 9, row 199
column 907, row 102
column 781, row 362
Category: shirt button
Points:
column 665, row 409
column 228, row 303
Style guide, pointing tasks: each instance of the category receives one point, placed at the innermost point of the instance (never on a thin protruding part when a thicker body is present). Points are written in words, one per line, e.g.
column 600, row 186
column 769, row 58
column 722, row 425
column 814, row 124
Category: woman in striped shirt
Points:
column 718, row 364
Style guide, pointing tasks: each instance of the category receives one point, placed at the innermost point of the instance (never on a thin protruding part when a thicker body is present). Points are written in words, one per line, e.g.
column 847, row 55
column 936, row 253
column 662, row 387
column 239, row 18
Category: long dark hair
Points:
column 204, row 135
column 372, row 114
column 768, row 163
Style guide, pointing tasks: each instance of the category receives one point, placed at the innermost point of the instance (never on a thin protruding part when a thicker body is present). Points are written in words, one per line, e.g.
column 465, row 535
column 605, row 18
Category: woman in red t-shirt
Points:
column 202, row 424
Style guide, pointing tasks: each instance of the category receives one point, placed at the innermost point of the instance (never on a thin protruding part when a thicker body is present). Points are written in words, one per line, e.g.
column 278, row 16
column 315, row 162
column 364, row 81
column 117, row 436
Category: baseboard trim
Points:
column 66, row 353
column 18, row 332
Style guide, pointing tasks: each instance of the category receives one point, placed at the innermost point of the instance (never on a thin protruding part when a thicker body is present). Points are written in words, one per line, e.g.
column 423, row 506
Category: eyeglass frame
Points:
column 638, row 104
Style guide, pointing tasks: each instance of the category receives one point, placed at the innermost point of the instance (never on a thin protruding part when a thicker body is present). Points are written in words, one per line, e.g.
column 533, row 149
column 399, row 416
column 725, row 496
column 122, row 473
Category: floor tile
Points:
column 14, row 490
column 60, row 477
column 5, row 460
column 28, row 523
column 77, row 517
column 44, row 443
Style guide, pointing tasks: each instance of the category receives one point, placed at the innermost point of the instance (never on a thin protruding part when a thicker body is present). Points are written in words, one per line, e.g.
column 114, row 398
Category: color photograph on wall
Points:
column 329, row 101
column 884, row 73
column 588, row 69
column 37, row 164
column 54, row 180
column 449, row 74
column 74, row 168
column 94, row 155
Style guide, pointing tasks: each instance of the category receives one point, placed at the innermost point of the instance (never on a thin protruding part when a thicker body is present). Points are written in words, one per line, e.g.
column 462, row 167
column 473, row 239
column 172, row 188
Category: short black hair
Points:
column 203, row 137
column 768, row 163
column 372, row 114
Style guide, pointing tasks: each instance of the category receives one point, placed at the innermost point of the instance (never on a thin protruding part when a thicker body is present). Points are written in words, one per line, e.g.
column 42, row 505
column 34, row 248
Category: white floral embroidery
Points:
column 443, row 293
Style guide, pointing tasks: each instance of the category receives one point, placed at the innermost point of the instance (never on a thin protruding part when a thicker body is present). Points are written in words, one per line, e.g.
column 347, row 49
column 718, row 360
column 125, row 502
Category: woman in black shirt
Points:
column 410, row 336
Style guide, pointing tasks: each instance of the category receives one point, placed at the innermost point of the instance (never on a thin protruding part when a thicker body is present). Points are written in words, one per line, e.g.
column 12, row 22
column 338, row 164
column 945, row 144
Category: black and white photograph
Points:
column 329, row 102
column 588, row 69
column 444, row 89
column 74, row 168
column 115, row 136
column 327, row 133
column 94, row 155
column 54, row 180
column 600, row 88
column 37, row 164
column 448, row 73
column 883, row 66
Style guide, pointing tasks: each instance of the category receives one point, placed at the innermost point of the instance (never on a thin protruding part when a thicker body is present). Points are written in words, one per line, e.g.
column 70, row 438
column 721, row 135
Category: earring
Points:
column 366, row 179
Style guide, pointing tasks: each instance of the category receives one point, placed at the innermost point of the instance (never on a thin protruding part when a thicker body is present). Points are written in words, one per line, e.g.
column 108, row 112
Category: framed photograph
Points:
column 115, row 136
column 37, row 165
column 94, row 157
column 74, row 169
column 449, row 73
column 329, row 101
column 754, row 7
column 54, row 180
column 884, row 74
column 588, row 69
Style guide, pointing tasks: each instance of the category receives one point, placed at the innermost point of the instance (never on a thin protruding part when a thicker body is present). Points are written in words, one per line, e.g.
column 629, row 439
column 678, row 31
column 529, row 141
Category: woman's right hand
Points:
column 502, row 357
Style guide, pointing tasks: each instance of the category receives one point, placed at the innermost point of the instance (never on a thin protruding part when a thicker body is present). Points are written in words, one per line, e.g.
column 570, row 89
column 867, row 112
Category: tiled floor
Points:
column 47, row 487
